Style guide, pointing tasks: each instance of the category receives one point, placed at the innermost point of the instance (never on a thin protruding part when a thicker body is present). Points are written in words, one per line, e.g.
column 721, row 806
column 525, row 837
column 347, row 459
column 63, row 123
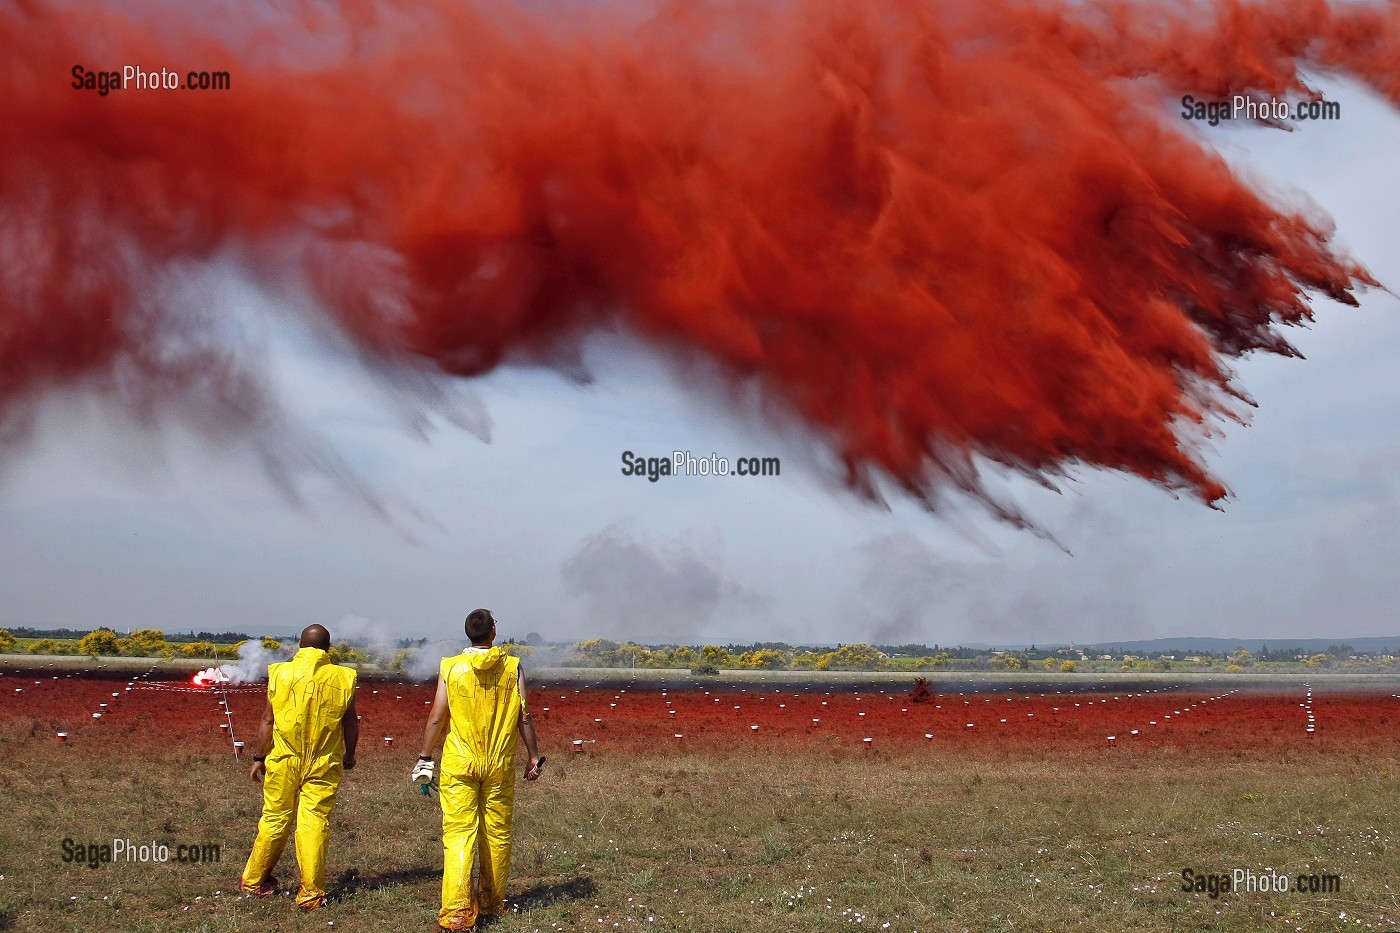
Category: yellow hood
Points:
column 485, row 660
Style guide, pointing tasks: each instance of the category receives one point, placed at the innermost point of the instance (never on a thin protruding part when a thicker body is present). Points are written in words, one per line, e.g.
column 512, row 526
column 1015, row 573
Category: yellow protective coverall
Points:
column 477, row 782
column 309, row 697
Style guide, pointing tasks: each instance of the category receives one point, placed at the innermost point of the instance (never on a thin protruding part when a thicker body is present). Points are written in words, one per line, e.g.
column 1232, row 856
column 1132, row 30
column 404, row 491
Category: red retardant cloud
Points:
column 928, row 232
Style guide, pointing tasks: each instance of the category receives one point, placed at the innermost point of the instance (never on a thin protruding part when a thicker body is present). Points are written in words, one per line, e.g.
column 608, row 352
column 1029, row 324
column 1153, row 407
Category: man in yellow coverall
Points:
column 482, row 693
column 308, row 737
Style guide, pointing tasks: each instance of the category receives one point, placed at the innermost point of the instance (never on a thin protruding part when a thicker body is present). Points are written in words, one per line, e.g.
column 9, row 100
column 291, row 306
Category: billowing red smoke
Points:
column 928, row 229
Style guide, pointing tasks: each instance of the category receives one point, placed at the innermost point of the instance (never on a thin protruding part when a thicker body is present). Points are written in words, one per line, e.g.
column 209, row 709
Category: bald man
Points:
column 308, row 738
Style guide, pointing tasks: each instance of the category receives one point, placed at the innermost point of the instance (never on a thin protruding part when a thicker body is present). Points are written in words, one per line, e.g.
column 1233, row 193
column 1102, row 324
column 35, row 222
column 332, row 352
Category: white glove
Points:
column 423, row 773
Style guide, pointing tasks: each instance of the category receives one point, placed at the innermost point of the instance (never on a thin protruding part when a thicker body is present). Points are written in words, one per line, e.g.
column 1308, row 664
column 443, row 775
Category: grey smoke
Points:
column 662, row 592
column 911, row 592
column 906, row 591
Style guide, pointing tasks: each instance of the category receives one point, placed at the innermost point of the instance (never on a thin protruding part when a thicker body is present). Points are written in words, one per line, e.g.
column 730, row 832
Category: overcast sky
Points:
column 106, row 523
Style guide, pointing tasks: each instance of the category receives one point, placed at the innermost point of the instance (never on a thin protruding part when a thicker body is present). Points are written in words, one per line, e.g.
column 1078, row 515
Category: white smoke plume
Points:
column 253, row 660
column 373, row 640
column 539, row 656
column 376, row 644
column 383, row 648
column 212, row 675
column 424, row 660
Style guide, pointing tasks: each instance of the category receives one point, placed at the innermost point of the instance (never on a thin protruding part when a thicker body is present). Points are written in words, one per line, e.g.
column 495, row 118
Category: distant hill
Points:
column 1384, row 644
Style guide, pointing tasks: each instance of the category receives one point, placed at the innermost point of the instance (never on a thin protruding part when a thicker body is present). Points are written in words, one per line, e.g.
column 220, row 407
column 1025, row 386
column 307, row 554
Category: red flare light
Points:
column 209, row 677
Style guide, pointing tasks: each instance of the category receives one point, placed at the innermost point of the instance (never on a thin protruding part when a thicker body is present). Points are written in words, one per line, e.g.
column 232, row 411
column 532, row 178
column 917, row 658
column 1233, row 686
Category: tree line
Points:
column 605, row 653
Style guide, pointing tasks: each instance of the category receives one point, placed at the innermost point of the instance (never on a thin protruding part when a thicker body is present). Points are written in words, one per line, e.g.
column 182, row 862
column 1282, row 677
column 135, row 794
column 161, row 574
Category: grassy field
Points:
column 820, row 837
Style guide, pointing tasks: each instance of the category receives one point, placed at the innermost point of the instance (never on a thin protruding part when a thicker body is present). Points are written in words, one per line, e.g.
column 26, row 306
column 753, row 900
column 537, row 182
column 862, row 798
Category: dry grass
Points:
column 831, row 837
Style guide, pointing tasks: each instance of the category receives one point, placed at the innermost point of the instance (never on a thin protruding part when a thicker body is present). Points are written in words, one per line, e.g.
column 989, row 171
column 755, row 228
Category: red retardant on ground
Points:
column 717, row 719
column 1226, row 720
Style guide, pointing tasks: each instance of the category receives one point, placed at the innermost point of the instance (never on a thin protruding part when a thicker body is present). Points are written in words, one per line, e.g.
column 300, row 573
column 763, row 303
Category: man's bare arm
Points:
column 350, row 728
column 437, row 718
column 527, row 730
column 264, row 743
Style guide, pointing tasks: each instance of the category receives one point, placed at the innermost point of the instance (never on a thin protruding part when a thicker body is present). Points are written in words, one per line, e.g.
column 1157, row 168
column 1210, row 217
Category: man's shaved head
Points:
column 316, row 636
